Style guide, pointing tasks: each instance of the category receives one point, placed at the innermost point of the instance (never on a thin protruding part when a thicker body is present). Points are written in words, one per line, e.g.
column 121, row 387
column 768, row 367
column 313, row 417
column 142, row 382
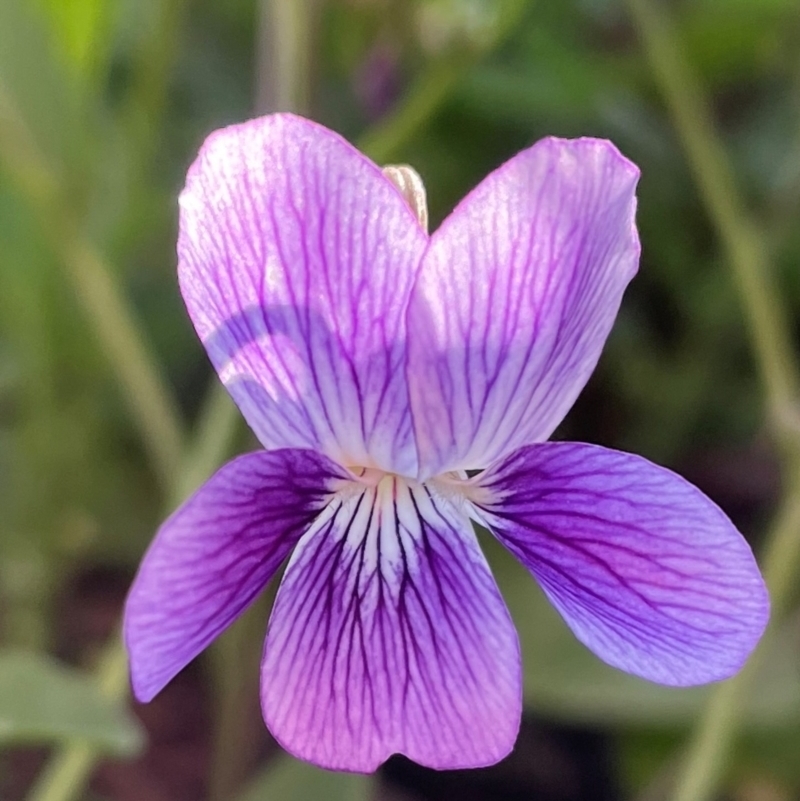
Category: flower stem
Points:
column 383, row 141
column 65, row 774
column 152, row 404
column 744, row 246
column 746, row 250
column 284, row 56
column 215, row 430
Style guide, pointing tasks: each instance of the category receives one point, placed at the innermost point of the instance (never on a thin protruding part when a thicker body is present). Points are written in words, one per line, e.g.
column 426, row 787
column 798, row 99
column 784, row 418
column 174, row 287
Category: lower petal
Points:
column 646, row 571
column 389, row 635
column 215, row 554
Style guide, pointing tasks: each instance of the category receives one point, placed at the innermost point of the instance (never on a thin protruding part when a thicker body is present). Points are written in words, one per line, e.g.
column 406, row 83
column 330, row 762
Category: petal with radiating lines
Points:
column 215, row 554
column 389, row 635
column 296, row 261
column 515, row 298
column 646, row 570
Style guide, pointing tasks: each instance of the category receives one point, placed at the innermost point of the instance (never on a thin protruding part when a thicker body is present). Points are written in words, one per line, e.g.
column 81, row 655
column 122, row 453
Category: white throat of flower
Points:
column 453, row 487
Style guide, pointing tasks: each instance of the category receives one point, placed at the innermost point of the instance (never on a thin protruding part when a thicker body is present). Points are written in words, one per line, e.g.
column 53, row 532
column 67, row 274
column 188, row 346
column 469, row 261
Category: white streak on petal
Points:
column 296, row 262
column 389, row 635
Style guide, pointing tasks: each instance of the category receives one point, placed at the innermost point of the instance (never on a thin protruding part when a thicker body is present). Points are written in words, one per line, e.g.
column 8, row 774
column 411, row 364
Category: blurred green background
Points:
column 109, row 412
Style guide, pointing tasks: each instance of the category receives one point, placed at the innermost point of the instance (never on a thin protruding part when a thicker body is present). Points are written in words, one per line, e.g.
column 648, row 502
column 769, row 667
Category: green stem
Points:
column 383, row 141
column 150, row 401
column 151, row 404
column 147, row 98
column 747, row 253
column 215, row 431
column 284, row 55
column 65, row 774
column 236, row 659
column 744, row 246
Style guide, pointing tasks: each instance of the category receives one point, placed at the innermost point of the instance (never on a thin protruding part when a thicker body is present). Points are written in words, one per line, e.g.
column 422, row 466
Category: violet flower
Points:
column 377, row 365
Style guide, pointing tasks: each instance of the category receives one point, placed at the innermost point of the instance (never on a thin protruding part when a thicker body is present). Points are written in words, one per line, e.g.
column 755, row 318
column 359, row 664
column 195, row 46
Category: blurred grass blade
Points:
column 384, row 141
column 289, row 779
column 38, row 90
column 81, row 28
column 44, row 701
column 42, row 179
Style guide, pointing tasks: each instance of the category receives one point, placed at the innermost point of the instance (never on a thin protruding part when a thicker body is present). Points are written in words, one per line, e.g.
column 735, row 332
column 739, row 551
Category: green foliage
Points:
column 102, row 106
column 292, row 780
column 42, row 701
column 81, row 29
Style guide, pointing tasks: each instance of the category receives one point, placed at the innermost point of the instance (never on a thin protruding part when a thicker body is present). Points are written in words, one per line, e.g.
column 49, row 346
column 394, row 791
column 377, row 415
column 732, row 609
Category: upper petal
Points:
column 389, row 635
column 215, row 554
column 516, row 295
column 296, row 260
column 645, row 569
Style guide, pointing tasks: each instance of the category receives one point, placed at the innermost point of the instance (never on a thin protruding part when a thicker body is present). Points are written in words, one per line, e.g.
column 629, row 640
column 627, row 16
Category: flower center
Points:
column 369, row 476
column 452, row 487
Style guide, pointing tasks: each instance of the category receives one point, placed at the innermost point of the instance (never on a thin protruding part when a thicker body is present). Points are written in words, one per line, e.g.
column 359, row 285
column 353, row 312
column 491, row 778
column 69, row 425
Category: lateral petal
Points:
column 516, row 295
column 296, row 260
column 647, row 571
column 389, row 635
column 212, row 557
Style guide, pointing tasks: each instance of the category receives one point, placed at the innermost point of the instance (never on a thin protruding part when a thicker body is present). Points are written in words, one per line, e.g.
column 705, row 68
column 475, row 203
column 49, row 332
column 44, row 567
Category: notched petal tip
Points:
column 389, row 635
column 626, row 174
column 359, row 761
column 603, row 147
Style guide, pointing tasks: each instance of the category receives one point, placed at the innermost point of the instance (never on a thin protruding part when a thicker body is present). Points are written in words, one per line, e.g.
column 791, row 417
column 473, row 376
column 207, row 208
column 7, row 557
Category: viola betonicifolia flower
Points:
column 404, row 385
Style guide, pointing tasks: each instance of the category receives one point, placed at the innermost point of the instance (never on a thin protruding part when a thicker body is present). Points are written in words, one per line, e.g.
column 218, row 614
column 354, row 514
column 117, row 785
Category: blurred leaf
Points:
column 41, row 111
column 565, row 680
column 41, row 700
column 81, row 28
column 648, row 754
column 292, row 780
column 771, row 752
column 737, row 40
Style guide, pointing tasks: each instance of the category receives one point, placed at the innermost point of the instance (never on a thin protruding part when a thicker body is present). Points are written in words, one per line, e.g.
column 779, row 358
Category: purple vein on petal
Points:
column 213, row 556
column 389, row 635
column 515, row 297
column 296, row 261
column 647, row 571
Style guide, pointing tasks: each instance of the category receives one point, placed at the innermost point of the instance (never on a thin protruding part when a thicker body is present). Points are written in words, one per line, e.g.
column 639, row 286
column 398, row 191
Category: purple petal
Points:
column 389, row 635
column 215, row 554
column 296, row 261
column 515, row 298
column 646, row 571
